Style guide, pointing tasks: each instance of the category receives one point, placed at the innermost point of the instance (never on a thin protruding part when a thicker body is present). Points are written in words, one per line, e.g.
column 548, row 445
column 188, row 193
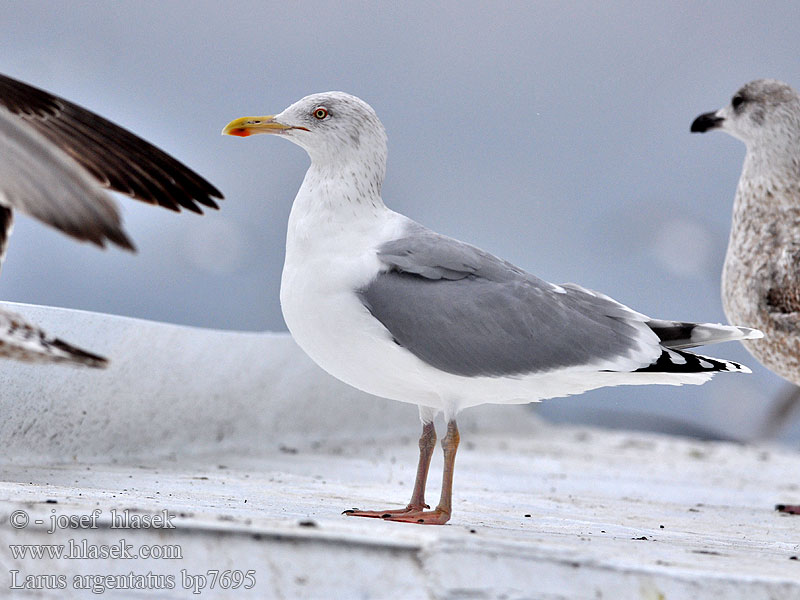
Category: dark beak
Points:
column 706, row 122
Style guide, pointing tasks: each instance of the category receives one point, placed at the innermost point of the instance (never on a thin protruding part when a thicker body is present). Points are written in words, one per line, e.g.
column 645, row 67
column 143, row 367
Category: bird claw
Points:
column 789, row 509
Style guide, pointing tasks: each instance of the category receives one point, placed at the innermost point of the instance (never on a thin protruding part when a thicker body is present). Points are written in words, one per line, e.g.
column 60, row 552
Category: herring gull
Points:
column 56, row 158
column 399, row 311
column 761, row 274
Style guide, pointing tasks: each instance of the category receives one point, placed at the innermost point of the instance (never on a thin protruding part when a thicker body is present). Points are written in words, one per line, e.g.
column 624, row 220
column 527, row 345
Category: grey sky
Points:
column 553, row 134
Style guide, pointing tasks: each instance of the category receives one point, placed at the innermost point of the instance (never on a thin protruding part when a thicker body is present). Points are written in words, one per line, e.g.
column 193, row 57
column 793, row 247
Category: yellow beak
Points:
column 251, row 125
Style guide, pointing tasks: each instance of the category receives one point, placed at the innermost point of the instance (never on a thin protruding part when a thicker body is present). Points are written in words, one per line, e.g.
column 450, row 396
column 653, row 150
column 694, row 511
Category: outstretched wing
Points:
column 40, row 180
column 114, row 156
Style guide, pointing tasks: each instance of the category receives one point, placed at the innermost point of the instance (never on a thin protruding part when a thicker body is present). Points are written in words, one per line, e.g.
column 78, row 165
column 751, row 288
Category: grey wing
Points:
column 466, row 312
column 114, row 156
column 19, row 340
column 435, row 256
column 38, row 179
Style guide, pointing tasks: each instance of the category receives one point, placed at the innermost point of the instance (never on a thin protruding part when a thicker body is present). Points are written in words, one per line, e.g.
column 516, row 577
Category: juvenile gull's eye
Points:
column 321, row 112
column 737, row 101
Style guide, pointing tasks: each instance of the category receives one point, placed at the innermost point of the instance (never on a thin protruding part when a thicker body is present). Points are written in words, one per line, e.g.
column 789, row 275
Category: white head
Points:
column 764, row 114
column 335, row 128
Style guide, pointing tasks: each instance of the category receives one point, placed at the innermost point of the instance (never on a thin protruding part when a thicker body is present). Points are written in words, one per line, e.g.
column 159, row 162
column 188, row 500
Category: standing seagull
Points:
column 56, row 158
column 399, row 311
column 761, row 276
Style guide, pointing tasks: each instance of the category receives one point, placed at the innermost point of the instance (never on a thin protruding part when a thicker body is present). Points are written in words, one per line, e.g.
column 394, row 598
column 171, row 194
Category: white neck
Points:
column 775, row 167
column 334, row 203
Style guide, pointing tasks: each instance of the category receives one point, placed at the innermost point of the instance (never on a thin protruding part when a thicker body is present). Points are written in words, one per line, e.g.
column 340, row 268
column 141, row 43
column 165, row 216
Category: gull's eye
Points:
column 737, row 101
column 320, row 113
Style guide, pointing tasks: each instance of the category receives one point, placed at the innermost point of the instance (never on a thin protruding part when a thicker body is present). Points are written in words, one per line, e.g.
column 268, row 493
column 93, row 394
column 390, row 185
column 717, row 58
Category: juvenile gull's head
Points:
column 764, row 113
column 335, row 128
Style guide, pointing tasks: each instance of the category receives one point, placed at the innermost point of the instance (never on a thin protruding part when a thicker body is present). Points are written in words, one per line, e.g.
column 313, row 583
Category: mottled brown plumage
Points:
column 19, row 340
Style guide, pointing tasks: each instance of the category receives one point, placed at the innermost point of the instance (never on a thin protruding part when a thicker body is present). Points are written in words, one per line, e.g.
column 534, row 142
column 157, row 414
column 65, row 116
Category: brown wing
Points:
column 783, row 293
column 38, row 179
column 784, row 299
column 114, row 156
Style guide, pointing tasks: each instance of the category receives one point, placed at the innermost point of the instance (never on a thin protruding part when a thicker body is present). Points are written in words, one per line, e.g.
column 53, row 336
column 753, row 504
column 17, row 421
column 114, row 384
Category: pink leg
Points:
column 789, row 509
column 427, row 442
column 441, row 514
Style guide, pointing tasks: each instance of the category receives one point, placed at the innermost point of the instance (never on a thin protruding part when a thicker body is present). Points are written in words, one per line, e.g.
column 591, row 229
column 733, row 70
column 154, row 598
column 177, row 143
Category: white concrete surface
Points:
column 256, row 454
column 612, row 515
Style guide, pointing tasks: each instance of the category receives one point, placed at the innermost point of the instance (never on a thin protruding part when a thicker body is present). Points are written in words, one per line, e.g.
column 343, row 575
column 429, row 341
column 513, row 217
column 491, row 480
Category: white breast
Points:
column 329, row 256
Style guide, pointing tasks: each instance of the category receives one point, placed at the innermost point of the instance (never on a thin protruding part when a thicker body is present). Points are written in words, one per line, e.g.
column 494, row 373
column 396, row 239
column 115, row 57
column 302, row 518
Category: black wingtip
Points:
column 79, row 356
column 207, row 198
column 214, row 193
column 123, row 241
column 114, row 235
column 191, row 207
column 680, row 361
column 100, row 237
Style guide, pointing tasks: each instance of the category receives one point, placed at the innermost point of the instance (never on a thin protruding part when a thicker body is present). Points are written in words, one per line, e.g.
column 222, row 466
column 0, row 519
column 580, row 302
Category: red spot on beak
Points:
column 240, row 131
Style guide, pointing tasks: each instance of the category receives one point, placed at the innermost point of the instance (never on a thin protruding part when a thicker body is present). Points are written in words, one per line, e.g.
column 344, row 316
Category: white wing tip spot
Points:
column 676, row 358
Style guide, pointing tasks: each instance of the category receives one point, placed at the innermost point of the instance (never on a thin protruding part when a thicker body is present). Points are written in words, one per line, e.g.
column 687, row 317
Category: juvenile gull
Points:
column 399, row 311
column 761, row 275
column 56, row 158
